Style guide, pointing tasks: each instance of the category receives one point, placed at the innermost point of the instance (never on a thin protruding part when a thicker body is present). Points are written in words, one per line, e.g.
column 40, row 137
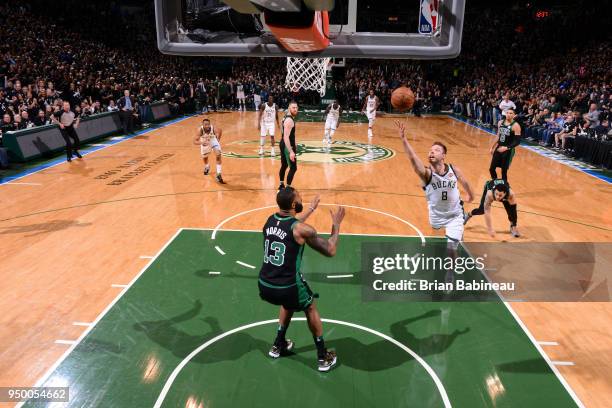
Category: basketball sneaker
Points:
column 466, row 217
column 272, row 152
column 261, row 151
column 328, row 361
column 220, row 179
column 514, row 231
column 279, row 351
column 281, row 186
column 206, row 171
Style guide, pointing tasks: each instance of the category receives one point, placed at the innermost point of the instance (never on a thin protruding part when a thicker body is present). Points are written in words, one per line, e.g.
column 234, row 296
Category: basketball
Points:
column 402, row 98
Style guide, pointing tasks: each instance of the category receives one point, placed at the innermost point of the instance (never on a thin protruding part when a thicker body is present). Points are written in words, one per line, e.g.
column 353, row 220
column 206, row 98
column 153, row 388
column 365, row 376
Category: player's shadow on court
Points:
column 531, row 366
column 166, row 334
column 382, row 354
column 43, row 228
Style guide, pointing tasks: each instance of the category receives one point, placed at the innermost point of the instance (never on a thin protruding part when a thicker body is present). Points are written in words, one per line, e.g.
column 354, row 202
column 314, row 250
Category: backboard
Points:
column 358, row 28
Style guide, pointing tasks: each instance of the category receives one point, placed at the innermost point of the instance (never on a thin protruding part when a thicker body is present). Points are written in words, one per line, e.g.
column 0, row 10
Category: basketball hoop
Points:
column 307, row 73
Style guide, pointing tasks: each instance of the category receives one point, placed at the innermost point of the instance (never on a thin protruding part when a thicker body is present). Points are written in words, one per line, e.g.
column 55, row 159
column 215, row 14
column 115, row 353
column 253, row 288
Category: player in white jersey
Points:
column 267, row 120
column 208, row 138
column 240, row 96
column 440, row 182
column 370, row 106
column 332, row 112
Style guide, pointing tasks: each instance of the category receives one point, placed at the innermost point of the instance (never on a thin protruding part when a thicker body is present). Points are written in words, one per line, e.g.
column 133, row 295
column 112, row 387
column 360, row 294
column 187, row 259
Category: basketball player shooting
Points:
column 441, row 190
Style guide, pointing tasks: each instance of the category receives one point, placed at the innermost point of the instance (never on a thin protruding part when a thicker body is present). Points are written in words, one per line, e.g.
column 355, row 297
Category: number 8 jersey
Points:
column 282, row 254
column 443, row 198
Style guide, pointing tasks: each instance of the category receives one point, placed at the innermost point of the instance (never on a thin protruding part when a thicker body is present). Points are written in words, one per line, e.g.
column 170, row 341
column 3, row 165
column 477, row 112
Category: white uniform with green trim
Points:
column 209, row 142
column 268, row 120
column 444, row 202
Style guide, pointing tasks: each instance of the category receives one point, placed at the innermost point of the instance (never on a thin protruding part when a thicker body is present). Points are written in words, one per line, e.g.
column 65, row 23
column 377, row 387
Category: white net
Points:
column 306, row 73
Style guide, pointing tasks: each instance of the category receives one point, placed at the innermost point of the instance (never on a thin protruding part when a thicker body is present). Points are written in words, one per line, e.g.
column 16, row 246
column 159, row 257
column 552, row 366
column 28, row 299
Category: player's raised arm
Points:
column 306, row 233
column 313, row 206
column 465, row 184
column 417, row 164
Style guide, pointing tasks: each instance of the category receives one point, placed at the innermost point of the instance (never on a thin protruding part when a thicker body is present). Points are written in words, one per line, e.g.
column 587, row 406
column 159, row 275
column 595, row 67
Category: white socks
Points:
column 218, row 169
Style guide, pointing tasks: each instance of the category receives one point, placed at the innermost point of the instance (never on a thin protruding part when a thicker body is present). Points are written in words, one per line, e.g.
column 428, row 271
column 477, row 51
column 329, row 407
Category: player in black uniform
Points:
column 497, row 190
column 508, row 137
column 287, row 146
column 280, row 279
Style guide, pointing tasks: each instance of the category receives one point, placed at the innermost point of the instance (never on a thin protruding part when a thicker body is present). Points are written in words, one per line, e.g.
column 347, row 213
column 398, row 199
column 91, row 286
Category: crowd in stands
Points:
column 92, row 54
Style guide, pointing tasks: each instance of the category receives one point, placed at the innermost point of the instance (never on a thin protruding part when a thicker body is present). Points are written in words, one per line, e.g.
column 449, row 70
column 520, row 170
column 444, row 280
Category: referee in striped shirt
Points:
column 65, row 118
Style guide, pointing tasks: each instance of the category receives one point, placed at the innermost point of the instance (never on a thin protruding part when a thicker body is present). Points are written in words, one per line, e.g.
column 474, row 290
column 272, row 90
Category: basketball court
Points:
column 156, row 304
column 133, row 276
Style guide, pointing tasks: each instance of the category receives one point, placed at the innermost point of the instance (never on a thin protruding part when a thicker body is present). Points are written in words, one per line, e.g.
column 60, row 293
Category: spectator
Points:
column 7, row 124
column 591, row 118
column 112, row 106
column 25, row 120
column 126, row 106
column 506, row 104
column 40, row 119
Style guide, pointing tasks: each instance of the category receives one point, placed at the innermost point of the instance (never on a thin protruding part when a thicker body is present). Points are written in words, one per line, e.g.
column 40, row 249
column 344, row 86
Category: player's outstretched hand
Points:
column 315, row 202
column 402, row 129
column 337, row 216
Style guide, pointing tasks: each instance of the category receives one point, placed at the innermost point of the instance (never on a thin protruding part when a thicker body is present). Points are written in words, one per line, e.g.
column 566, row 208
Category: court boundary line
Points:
column 58, row 161
column 420, row 234
column 532, row 339
column 175, row 194
column 529, row 148
column 177, row 370
column 101, row 315
column 342, row 233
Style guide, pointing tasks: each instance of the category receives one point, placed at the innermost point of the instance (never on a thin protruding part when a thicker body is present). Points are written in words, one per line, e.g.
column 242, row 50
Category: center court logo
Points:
column 340, row 151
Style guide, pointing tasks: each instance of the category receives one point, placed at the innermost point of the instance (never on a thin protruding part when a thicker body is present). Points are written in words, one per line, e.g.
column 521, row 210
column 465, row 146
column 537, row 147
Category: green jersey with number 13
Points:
column 282, row 254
